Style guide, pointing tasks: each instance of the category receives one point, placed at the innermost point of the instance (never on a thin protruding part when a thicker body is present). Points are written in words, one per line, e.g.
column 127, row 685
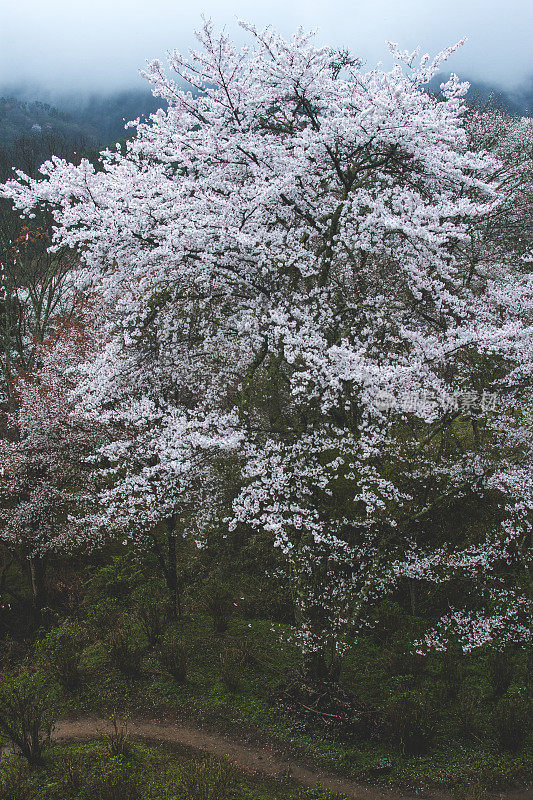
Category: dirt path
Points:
column 250, row 758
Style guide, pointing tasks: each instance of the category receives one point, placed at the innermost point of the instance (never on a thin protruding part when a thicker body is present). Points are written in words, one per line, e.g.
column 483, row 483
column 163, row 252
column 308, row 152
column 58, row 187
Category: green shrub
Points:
column 472, row 788
column 114, row 779
column 72, row 777
column 102, row 615
column 60, row 651
column 501, row 668
column 399, row 659
column 119, row 739
column 27, row 712
column 511, row 719
column 468, row 715
column 12, row 652
column 389, row 618
column 116, row 580
column 408, row 720
column 126, row 653
column 150, row 610
column 452, row 671
column 152, row 621
column 173, row 659
column 14, row 779
column 232, row 666
column 219, row 605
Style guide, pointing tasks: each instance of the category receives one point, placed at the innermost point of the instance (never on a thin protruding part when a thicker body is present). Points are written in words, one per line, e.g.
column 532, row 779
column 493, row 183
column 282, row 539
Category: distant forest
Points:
column 31, row 130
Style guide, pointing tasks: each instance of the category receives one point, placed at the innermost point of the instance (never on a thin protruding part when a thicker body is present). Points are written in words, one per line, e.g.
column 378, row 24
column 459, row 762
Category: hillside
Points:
column 32, row 130
column 19, row 118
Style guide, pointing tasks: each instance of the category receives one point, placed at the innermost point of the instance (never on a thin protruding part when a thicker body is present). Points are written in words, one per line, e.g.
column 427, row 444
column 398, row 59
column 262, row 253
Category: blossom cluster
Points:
column 291, row 244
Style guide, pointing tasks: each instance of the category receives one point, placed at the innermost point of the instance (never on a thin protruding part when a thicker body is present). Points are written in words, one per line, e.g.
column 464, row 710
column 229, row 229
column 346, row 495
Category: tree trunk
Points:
column 321, row 669
column 315, row 667
column 37, row 568
column 167, row 557
column 172, row 573
column 412, row 595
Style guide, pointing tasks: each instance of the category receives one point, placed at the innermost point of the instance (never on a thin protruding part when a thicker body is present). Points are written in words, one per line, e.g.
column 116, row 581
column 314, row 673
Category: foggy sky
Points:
column 85, row 45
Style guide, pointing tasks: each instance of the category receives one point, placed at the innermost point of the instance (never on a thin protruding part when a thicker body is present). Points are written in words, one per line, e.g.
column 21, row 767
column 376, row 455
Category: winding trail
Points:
column 251, row 758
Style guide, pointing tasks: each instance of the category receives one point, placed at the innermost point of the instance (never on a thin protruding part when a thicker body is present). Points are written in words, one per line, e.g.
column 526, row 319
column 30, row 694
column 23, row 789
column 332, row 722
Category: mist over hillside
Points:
column 108, row 113
column 516, row 101
column 36, row 122
column 101, row 116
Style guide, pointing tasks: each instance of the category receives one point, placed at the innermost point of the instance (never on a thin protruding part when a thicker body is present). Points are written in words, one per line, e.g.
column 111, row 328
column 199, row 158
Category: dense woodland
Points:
column 266, row 427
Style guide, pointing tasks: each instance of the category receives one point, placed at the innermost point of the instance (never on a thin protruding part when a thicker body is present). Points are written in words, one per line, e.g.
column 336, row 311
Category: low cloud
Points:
column 71, row 46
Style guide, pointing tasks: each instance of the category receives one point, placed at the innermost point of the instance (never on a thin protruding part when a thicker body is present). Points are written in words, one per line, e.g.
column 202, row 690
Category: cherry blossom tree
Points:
column 498, row 254
column 506, row 235
column 296, row 341
column 35, row 290
column 45, row 481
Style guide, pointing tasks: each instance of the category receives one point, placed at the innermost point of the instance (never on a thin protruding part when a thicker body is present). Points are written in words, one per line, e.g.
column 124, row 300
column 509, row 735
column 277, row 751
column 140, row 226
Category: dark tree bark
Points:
column 167, row 558
column 172, row 575
column 37, row 570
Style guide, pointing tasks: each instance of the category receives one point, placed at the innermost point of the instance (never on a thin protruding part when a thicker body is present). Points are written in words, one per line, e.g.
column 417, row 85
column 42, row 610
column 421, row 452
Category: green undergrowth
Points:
column 445, row 721
column 92, row 772
column 462, row 752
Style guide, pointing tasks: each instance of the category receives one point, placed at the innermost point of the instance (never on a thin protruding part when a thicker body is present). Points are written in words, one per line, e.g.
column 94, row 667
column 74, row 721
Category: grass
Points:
column 246, row 704
column 90, row 772
column 453, row 703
